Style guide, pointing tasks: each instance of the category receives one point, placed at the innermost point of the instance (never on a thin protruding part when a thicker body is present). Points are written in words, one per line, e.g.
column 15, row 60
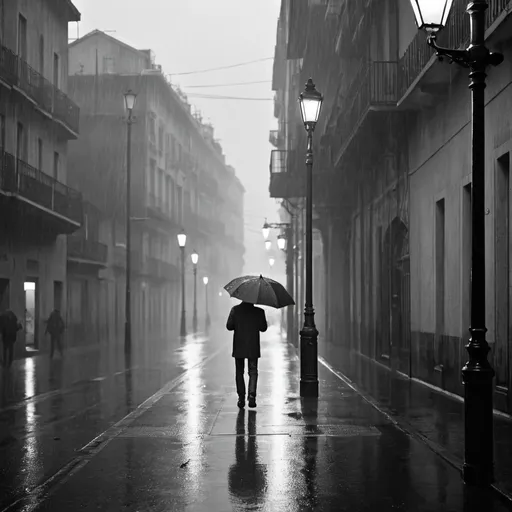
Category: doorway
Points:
column 4, row 295
column 31, row 316
column 57, row 295
column 395, row 321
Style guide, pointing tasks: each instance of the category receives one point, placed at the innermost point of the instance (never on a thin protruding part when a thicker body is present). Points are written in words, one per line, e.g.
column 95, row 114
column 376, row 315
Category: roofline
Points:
column 75, row 14
column 104, row 34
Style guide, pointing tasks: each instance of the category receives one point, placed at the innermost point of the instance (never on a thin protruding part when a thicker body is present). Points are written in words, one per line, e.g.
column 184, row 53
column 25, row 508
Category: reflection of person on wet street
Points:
column 247, row 477
column 247, row 321
column 9, row 327
column 55, row 327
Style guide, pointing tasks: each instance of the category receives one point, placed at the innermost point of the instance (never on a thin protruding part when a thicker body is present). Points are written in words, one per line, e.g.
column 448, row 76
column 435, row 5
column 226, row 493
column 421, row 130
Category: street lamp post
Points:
column 129, row 103
column 182, row 240
column 477, row 373
column 207, row 313
column 310, row 105
column 195, row 258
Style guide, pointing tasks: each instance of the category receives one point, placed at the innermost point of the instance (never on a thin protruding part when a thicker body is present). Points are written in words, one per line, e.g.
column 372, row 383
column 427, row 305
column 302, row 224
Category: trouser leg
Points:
column 10, row 349
column 253, row 376
column 239, row 377
column 52, row 345
column 58, row 340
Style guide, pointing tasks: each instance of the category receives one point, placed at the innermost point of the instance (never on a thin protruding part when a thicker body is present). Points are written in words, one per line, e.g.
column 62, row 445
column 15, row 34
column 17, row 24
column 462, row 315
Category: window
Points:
column 2, row 132
column 56, row 165
column 503, row 295
column 56, row 74
column 161, row 187
column 20, row 142
column 179, row 205
column 439, row 269
column 22, row 37
column 160, row 139
column 152, row 177
column 168, row 192
column 108, row 65
column 152, row 134
column 40, row 154
column 41, row 55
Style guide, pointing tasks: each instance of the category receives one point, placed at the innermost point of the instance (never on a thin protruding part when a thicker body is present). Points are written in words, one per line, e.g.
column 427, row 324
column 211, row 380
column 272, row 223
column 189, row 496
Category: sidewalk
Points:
column 434, row 417
column 189, row 448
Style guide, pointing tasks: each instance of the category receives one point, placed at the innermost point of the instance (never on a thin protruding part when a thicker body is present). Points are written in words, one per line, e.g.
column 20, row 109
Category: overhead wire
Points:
column 227, row 85
column 221, row 67
column 219, row 97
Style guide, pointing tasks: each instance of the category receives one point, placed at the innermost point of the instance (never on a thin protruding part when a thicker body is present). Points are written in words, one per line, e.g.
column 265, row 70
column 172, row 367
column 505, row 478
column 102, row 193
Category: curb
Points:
column 405, row 426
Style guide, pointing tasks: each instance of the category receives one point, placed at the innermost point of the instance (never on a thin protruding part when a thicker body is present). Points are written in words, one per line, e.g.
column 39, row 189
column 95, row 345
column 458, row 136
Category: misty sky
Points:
column 189, row 35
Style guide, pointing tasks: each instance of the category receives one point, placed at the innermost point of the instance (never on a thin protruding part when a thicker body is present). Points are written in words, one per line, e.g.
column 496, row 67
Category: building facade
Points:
column 179, row 180
column 37, row 119
column 392, row 185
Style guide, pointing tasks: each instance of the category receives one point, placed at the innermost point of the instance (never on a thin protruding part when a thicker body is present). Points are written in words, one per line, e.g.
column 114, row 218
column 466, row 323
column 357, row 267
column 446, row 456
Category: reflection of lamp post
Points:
column 310, row 104
column 129, row 103
column 207, row 314
column 195, row 258
column 182, row 240
column 477, row 373
column 265, row 230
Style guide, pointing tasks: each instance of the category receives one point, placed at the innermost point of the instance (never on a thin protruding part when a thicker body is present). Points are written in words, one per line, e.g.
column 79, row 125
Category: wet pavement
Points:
column 432, row 416
column 51, row 409
column 188, row 446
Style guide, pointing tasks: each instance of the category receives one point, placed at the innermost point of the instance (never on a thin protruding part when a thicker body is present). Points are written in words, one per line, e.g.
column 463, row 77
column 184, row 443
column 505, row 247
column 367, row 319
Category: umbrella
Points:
column 259, row 290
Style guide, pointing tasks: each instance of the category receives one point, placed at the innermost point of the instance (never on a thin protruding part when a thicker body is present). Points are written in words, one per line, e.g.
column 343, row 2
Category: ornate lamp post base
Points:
column 308, row 362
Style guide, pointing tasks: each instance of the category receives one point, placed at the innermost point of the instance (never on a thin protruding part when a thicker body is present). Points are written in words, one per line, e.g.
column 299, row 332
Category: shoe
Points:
column 252, row 401
column 241, row 403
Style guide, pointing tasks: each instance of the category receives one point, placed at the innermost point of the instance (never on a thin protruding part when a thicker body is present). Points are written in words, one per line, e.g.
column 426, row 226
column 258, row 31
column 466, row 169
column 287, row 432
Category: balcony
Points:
column 84, row 250
column 284, row 183
column 420, row 56
column 119, row 258
column 161, row 270
column 158, row 209
column 41, row 200
column 275, row 138
column 375, row 88
column 15, row 72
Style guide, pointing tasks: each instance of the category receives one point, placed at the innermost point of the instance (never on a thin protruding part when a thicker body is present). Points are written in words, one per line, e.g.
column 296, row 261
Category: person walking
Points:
column 247, row 321
column 9, row 327
column 55, row 327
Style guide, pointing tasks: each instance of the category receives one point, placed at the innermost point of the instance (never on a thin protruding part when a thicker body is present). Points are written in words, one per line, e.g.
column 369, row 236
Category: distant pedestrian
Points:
column 9, row 327
column 247, row 321
column 55, row 328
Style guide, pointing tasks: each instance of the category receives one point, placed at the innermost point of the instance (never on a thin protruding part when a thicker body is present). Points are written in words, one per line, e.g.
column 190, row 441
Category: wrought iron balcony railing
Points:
column 17, row 73
column 275, row 138
column 278, row 161
column 19, row 178
column 454, row 35
column 85, row 249
column 283, row 183
column 375, row 87
column 160, row 269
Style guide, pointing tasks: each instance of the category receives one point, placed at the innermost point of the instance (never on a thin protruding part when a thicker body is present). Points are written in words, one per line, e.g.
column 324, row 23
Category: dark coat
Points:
column 9, row 326
column 55, row 325
column 247, row 321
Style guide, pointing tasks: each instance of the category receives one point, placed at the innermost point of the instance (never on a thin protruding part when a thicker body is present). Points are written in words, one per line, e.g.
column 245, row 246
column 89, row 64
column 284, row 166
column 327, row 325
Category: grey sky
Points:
column 190, row 35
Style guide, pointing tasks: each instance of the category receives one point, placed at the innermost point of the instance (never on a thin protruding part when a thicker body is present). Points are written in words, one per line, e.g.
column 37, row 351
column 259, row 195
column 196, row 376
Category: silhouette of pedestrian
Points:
column 247, row 321
column 55, row 328
column 9, row 327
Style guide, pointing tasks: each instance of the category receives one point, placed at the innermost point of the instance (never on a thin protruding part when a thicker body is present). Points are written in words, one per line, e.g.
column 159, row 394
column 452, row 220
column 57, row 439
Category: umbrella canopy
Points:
column 259, row 290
